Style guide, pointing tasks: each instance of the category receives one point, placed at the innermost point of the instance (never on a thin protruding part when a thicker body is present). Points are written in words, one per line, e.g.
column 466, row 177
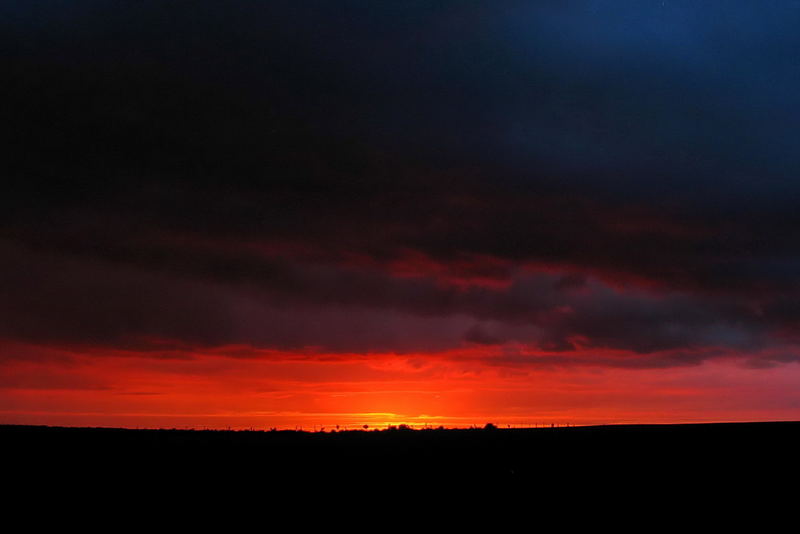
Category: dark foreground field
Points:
column 641, row 476
column 702, row 453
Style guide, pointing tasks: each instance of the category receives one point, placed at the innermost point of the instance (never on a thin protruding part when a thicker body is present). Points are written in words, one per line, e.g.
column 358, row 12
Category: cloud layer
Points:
column 529, row 182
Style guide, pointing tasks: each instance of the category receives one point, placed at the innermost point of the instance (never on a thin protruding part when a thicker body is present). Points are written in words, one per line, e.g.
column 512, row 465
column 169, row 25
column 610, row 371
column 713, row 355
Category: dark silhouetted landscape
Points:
column 559, row 456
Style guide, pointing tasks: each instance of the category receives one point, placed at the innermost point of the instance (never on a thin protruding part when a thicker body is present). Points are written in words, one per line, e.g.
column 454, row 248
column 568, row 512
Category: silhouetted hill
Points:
column 632, row 451
column 646, row 474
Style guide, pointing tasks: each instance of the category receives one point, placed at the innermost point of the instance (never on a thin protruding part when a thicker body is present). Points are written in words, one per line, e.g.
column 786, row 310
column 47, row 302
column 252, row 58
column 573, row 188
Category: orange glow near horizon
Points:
column 323, row 391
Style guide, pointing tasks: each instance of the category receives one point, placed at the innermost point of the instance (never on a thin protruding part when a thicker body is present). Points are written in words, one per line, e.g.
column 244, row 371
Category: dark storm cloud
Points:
column 77, row 301
column 281, row 173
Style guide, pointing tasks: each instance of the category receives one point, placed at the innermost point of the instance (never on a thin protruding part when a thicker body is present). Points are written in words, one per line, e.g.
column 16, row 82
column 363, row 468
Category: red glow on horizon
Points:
column 451, row 390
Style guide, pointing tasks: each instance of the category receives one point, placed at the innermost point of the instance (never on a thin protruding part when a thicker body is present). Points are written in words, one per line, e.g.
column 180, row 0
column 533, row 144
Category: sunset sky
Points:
column 442, row 212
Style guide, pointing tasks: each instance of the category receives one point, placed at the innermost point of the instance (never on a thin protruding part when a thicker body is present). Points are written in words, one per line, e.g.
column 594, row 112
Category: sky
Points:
column 306, row 214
